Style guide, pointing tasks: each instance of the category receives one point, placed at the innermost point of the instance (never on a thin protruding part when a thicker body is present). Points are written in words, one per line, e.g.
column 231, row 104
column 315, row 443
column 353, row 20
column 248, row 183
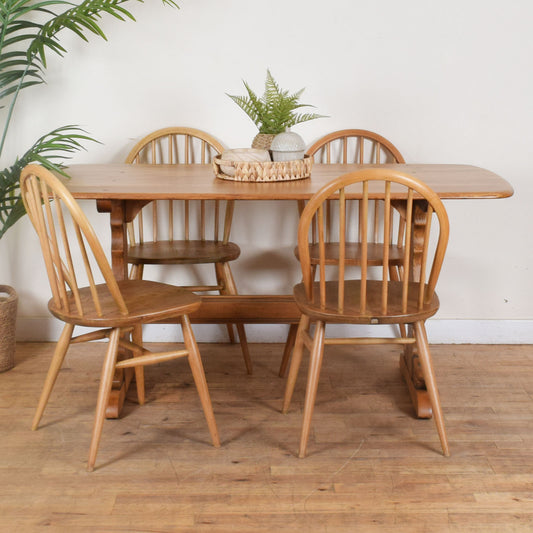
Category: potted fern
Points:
column 28, row 30
column 274, row 112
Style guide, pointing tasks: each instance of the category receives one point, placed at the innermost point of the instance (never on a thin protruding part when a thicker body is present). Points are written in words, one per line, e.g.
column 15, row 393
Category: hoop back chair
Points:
column 185, row 232
column 73, row 255
column 361, row 147
column 348, row 295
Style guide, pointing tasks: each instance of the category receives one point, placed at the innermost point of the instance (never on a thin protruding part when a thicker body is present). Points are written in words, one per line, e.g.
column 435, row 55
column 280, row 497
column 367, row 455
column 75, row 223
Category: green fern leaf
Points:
column 274, row 112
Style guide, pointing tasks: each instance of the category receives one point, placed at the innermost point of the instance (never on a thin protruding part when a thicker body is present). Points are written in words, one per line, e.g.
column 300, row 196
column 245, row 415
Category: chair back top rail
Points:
column 354, row 146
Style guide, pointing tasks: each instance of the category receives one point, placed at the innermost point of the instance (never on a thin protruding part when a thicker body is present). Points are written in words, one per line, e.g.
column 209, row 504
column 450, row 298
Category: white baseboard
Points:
column 439, row 331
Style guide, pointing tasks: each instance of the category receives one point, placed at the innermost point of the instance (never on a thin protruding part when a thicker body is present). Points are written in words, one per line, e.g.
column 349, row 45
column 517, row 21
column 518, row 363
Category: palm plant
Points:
column 29, row 29
column 275, row 111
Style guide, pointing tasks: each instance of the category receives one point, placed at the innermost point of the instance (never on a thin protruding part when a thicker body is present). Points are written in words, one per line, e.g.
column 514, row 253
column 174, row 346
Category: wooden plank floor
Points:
column 371, row 465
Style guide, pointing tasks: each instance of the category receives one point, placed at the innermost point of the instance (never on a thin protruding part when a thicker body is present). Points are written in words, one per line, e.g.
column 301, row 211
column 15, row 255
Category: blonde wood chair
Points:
column 74, row 256
column 346, row 295
column 184, row 232
column 361, row 147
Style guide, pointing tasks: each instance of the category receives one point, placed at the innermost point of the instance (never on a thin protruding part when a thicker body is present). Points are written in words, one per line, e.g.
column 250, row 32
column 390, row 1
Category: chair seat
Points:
column 147, row 301
column 182, row 252
column 373, row 314
column 353, row 252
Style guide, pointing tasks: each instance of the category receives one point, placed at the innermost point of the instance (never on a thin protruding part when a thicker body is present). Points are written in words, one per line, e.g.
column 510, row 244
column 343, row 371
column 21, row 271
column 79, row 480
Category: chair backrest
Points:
column 422, row 254
column 163, row 219
column 71, row 250
column 354, row 146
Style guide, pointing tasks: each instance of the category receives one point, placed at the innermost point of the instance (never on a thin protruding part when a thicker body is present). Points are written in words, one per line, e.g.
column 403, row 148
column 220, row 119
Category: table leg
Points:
column 412, row 374
column 123, row 377
column 118, row 240
column 119, row 389
column 409, row 363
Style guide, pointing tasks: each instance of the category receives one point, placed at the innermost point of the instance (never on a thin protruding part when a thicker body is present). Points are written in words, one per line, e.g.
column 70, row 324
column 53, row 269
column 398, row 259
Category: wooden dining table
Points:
column 122, row 190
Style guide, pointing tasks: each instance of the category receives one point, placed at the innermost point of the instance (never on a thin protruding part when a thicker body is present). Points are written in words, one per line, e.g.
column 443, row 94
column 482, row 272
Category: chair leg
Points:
column 53, row 371
column 106, row 382
column 137, row 338
column 315, row 364
column 224, row 274
column 289, row 345
column 136, row 271
column 244, row 348
column 231, row 333
column 221, row 280
column 296, row 360
column 395, row 276
column 431, row 382
column 195, row 362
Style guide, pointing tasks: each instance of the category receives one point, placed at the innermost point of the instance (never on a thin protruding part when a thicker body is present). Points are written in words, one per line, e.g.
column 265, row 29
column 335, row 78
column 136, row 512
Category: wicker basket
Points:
column 265, row 171
column 8, row 316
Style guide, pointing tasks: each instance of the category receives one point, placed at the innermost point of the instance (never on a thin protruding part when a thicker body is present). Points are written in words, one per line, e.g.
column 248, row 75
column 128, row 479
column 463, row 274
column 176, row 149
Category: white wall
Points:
column 447, row 82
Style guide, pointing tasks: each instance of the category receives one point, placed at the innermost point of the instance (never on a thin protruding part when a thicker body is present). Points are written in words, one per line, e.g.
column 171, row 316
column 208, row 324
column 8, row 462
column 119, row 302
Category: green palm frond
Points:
column 29, row 30
column 24, row 42
column 50, row 150
column 274, row 112
column 78, row 19
column 54, row 147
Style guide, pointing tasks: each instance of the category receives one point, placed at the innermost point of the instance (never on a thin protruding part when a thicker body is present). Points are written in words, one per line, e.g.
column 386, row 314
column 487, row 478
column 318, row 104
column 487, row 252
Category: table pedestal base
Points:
column 117, row 396
column 412, row 374
column 277, row 309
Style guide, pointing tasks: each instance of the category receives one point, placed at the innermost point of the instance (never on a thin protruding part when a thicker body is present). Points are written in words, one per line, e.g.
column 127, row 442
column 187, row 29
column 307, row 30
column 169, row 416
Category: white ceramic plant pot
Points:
column 287, row 146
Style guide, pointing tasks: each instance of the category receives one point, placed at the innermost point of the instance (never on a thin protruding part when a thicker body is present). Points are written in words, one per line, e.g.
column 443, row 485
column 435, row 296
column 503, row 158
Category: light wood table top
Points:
column 142, row 182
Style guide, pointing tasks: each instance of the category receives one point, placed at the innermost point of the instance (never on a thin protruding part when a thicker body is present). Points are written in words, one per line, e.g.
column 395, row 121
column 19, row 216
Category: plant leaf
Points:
column 274, row 112
column 29, row 29
column 50, row 150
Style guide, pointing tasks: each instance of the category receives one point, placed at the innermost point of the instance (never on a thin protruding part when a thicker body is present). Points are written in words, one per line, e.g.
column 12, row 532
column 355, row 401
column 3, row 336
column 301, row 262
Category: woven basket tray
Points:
column 264, row 171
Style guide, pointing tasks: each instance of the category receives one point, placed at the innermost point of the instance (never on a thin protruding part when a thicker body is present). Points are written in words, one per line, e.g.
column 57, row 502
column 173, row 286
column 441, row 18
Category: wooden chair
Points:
column 348, row 295
column 361, row 147
column 160, row 236
column 356, row 146
column 73, row 255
